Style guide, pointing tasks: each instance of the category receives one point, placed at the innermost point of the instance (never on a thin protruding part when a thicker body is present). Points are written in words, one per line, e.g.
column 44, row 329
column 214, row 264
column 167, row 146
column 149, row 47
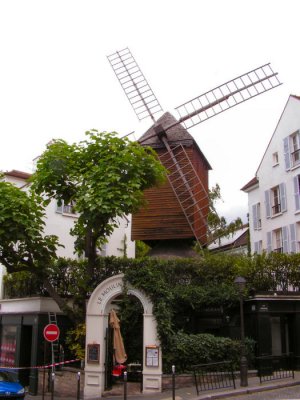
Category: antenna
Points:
column 134, row 84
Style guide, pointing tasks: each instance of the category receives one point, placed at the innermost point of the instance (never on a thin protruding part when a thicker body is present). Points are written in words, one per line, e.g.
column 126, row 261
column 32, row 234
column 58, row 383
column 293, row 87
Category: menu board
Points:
column 93, row 353
column 152, row 356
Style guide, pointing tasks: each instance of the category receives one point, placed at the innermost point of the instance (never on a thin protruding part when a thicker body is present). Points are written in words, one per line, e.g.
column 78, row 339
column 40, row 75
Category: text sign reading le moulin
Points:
column 51, row 332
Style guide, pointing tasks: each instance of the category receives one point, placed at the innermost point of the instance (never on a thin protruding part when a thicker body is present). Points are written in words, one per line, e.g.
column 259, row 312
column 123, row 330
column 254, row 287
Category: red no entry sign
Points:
column 51, row 332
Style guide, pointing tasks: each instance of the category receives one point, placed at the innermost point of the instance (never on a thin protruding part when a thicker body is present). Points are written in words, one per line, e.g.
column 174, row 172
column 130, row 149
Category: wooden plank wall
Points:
column 162, row 217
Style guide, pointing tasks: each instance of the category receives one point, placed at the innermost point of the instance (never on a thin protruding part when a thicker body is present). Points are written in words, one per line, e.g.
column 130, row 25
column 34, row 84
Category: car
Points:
column 10, row 387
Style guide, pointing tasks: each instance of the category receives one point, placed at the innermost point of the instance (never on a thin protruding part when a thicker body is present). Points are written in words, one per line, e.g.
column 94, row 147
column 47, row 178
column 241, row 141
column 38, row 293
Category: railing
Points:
column 275, row 367
column 213, row 376
column 276, row 209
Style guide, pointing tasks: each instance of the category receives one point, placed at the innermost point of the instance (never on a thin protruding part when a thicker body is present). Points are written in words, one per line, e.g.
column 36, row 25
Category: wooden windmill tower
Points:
column 179, row 209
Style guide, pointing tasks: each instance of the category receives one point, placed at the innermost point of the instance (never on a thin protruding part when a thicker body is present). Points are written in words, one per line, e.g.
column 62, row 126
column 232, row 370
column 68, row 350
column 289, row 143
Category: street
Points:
column 278, row 394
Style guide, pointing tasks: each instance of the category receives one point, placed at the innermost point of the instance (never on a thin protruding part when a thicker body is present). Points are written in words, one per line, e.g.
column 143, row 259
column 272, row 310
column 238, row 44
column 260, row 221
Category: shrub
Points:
column 196, row 349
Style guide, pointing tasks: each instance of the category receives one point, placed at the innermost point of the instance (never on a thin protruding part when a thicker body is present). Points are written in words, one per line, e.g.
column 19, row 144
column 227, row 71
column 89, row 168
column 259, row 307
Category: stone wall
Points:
column 66, row 382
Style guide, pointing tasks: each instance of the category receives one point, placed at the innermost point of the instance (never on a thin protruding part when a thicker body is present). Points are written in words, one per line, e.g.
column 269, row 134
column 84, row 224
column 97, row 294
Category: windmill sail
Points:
column 227, row 95
column 134, row 84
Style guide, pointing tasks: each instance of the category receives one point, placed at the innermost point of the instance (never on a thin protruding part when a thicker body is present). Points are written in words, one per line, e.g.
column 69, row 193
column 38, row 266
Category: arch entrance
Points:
column 98, row 308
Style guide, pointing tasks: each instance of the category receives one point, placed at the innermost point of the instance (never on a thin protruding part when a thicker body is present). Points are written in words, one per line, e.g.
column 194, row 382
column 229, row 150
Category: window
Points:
column 278, row 240
column 295, row 148
column 291, row 146
column 276, row 206
column 275, row 200
column 275, row 159
column 256, row 216
column 66, row 208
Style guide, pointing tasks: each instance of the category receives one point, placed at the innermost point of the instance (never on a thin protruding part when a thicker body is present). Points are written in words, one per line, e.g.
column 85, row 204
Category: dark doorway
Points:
column 25, row 354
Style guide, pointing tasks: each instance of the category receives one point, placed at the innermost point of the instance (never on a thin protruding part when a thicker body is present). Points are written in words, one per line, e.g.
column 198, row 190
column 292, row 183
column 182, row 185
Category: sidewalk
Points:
column 189, row 393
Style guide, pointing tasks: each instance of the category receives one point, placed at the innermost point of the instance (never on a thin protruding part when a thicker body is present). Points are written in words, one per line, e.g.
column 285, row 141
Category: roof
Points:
column 175, row 135
column 18, row 174
column 254, row 181
column 238, row 239
column 295, row 97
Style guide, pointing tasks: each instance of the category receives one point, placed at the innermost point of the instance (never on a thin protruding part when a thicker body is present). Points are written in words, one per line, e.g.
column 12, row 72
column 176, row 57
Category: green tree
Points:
column 103, row 177
column 23, row 246
column 218, row 227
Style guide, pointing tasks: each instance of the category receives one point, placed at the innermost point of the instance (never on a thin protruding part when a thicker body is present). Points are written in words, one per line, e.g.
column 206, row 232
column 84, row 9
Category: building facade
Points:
column 274, row 192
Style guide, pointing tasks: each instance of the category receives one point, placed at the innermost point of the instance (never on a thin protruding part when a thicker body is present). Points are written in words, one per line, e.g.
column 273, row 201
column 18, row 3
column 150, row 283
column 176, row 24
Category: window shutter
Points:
column 282, row 197
column 256, row 247
column 287, row 153
column 285, row 239
column 296, row 192
column 254, row 213
column 269, row 242
column 268, row 204
column 293, row 238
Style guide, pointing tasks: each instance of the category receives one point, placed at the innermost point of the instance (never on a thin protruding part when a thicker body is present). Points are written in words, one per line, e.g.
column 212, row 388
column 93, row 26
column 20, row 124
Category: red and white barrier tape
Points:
column 42, row 366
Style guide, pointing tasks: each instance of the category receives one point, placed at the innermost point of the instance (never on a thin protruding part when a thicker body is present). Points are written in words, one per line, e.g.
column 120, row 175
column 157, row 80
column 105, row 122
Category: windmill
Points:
column 180, row 209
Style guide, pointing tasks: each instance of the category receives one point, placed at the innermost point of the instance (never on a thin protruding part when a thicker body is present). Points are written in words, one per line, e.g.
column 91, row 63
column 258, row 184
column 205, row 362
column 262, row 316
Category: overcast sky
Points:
column 56, row 82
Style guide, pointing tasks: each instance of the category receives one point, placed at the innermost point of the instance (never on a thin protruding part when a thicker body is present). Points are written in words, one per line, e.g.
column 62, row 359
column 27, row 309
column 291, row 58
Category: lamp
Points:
column 240, row 283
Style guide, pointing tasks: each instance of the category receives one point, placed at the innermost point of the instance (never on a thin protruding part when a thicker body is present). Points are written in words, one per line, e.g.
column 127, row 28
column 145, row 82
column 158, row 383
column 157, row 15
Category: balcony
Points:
column 276, row 209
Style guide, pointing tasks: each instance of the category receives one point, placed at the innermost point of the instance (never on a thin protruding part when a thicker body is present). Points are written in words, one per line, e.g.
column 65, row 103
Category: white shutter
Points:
column 268, row 204
column 296, row 192
column 260, row 247
column 293, row 242
column 282, row 197
column 256, row 247
column 254, row 215
column 285, row 239
column 287, row 153
column 269, row 242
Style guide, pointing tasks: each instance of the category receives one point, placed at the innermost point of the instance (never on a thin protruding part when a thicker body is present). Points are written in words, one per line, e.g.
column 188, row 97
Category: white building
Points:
column 60, row 220
column 274, row 192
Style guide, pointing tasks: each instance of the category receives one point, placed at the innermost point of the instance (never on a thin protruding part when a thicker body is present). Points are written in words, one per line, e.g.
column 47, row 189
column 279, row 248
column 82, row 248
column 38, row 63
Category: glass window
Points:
column 8, row 345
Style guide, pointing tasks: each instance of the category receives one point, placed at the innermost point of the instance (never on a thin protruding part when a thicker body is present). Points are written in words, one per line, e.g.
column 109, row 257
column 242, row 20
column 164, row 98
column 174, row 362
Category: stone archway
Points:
column 98, row 309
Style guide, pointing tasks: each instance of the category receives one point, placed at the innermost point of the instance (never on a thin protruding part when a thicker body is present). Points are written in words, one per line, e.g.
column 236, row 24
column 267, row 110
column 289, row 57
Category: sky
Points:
column 56, row 81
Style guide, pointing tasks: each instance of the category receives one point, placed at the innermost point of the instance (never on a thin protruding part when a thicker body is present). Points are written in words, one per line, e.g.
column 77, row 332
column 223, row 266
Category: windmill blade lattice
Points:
column 227, row 95
column 134, row 84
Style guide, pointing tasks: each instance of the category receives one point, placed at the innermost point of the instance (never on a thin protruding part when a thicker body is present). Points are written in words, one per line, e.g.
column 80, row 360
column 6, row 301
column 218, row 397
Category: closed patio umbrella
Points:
column 119, row 350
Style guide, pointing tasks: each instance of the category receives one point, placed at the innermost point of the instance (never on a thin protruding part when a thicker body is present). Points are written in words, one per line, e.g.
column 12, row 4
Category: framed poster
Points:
column 93, row 353
column 152, row 356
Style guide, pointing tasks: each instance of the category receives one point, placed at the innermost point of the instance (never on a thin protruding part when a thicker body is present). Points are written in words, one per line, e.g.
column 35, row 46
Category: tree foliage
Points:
column 103, row 176
column 217, row 225
column 23, row 246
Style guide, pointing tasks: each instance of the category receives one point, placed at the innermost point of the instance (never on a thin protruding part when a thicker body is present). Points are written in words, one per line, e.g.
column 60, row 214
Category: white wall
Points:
column 270, row 175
